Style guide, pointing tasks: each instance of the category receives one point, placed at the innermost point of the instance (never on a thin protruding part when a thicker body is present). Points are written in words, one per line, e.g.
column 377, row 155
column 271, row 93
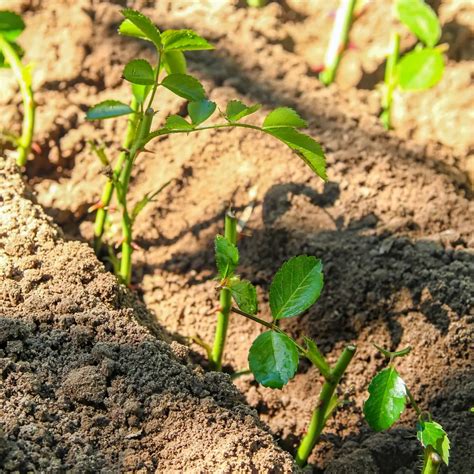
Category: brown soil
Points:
column 84, row 387
column 393, row 225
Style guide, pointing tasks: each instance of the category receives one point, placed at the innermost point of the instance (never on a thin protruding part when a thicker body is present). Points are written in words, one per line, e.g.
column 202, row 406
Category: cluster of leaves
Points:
column 423, row 67
column 388, row 396
column 274, row 356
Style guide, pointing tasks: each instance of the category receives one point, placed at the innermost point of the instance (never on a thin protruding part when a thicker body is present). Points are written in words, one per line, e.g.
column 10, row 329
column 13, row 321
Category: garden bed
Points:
column 393, row 227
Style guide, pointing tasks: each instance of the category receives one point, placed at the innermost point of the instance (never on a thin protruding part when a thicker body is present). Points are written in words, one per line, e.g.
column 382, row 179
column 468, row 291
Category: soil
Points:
column 393, row 226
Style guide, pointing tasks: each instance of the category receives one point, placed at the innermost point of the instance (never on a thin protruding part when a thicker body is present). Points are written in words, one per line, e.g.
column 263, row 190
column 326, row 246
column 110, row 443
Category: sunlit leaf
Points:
column 306, row 148
column 296, row 286
column 11, row 25
column 273, row 359
column 430, row 433
column 174, row 62
column 201, row 110
column 237, row 110
column 244, row 294
column 420, row 70
column 108, row 109
column 227, row 256
column 420, row 19
column 284, row 117
column 387, row 399
column 139, row 71
column 176, row 122
column 183, row 40
column 139, row 26
column 185, row 86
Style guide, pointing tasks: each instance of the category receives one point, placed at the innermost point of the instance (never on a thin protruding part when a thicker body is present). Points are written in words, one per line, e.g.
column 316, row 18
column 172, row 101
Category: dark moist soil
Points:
column 393, row 225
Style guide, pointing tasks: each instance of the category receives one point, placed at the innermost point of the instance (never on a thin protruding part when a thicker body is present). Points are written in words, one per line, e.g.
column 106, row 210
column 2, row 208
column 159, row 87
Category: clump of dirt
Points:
column 84, row 387
column 393, row 225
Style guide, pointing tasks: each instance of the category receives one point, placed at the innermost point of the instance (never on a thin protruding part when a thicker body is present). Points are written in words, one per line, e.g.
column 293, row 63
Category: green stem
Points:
column 127, row 231
column 431, row 462
column 390, row 80
column 338, row 41
column 109, row 187
column 24, row 142
column 413, row 402
column 256, row 3
column 319, row 416
column 230, row 233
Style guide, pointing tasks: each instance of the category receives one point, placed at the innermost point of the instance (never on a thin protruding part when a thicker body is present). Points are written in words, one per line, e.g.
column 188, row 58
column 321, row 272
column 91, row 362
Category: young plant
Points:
column 274, row 355
column 11, row 26
column 146, row 80
column 388, row 399
column 338, row 40
column 419, row 69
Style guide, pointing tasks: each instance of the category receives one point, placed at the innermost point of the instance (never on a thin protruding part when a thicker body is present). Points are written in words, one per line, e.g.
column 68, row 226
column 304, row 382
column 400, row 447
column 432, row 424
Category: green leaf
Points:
column 185, row 86
column 18, row 50
column 307, row 149
column 420, row 19
column 201, row 110
column 430, row 433
column 108, row 109
column 284, row 117
column 386, row 401
column 273, row 359
column 183, row 40
column 176, row 122
column 237, row 110
column 296, row 286
column 420, row 70
column 174, row 62
column 11, row 25
column 140, row 92
column 140, row 26
column 227, row 256
column 139, row 71
column 244, row 294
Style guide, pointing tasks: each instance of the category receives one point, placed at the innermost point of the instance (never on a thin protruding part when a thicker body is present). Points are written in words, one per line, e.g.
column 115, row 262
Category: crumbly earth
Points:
column 393, row 225
column 85, row 388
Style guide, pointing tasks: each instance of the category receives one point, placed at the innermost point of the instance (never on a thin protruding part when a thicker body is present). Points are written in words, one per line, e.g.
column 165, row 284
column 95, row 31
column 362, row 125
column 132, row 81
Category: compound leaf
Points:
column 201, row 110
column 139, row 71
column 419, row 70
column 306, row 148
column 420, row 19
column 273, row 359
column 185, row 86
column 284, row 117
column 430, row 433
column 183, row 40
column 296, row 286
column 11, row 25
column 174, row 62
column 108, row 109
column 140, row 26
column 244, row 294
column 227, row 256
column 176, row 122
column 387, row 399
column 237, row 110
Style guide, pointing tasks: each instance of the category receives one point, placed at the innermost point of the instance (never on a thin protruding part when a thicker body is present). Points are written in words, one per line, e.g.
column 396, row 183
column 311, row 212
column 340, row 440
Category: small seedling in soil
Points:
column 419, row 69
column 146, row 79
column 274, row 355
column 387, row 401
column 338, row 41
column 11, row 26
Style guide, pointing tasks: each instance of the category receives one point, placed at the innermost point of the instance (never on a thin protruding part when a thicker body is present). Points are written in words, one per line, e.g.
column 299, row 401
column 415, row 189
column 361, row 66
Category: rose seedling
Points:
column 338, row 41
column 419, row 69
column 387, row 401
column 274, row 355
column 11, row 26
column 146, row 80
